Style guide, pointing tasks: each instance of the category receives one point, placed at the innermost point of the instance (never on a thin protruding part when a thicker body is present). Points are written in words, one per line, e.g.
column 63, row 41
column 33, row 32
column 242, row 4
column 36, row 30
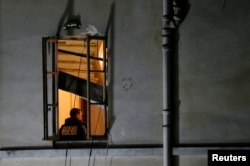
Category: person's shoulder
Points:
column 72, row 121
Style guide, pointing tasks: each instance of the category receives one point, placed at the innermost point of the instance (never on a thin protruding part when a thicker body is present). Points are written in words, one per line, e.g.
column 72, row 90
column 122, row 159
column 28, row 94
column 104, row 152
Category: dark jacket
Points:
column 73, row 129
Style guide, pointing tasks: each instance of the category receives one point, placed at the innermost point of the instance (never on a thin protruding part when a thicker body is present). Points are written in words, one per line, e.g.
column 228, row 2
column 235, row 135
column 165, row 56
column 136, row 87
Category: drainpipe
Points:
column 174, row 12
column 166, row 50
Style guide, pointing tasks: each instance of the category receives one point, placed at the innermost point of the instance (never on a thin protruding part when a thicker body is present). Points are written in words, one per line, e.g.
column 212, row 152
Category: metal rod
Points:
column 88, row 90
column 45, row 94
column 57, row 90
column 54, row 89
column 78, row 54
column 105, row 82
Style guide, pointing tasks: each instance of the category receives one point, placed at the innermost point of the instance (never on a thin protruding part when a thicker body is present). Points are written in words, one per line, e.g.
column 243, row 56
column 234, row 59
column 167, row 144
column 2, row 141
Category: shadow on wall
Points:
column 69, row 13
column 110, row 29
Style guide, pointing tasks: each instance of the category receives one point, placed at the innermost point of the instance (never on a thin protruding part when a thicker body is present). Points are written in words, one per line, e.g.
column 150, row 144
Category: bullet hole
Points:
column 127, row 83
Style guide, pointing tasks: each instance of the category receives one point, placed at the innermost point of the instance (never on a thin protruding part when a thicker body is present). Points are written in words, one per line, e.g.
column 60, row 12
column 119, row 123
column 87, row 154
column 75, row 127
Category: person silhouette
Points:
column 73, row 128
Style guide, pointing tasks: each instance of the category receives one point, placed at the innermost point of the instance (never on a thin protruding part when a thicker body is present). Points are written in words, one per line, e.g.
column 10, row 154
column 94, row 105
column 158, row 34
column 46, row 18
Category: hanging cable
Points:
column 92, row 141
column 74, row 103
column 78, row 73
column 96, row 122
column 66, row 156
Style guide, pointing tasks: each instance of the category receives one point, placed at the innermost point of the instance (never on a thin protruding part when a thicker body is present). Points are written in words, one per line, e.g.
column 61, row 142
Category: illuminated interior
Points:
column 77, row 66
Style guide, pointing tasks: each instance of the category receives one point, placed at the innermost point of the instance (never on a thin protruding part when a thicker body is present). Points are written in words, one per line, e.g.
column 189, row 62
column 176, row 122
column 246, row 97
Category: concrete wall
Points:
column 84, row 161
column 213, row 70
column 137, row 61
column 81, row 157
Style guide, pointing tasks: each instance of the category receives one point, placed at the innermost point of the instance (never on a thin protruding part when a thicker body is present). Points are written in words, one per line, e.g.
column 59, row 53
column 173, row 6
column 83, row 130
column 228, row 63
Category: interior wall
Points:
column 66, row 102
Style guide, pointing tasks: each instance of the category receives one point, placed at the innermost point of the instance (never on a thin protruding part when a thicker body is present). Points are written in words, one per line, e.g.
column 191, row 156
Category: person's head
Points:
column 76, row 113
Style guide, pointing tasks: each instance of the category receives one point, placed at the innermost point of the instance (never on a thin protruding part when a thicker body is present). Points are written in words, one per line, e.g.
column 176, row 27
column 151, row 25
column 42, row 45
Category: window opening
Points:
column 74, row 76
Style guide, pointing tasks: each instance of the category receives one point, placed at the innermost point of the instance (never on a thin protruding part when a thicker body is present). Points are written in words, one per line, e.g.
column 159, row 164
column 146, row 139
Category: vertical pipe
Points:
column 174, row 12
column 166, row 57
